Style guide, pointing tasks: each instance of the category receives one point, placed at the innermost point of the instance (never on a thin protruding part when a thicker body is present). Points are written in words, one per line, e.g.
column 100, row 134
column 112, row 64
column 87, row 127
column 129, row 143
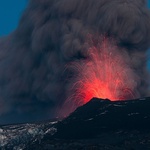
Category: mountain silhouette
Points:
column 100, row 124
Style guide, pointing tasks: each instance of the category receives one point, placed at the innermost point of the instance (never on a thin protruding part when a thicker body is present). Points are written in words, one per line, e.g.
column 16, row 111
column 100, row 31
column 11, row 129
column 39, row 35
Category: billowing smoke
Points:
column 45, row 57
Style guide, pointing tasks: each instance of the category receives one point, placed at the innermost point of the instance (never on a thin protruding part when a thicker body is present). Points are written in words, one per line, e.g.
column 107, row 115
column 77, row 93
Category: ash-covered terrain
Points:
column 18, row 137
column 99, row 125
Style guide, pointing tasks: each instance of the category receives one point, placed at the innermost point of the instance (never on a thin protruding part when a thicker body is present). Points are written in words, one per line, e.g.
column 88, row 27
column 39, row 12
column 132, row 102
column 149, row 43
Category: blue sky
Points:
column 10, row 13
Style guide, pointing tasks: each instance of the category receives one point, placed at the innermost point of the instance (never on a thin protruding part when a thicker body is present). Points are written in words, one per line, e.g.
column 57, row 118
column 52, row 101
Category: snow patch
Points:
column 131, row 114
column 118, row 105
column 51, row 131
column 142, row 99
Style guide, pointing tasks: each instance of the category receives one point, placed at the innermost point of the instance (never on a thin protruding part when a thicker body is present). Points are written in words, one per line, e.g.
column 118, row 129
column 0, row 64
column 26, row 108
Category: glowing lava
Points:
column 105, row 74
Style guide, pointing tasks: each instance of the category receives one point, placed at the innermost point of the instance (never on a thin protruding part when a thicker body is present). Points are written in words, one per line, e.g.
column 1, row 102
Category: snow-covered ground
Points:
column 16, row 137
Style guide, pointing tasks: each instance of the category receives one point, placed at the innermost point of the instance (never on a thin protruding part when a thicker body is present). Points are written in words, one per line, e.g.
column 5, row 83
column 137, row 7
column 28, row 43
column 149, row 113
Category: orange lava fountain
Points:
column 106, row 73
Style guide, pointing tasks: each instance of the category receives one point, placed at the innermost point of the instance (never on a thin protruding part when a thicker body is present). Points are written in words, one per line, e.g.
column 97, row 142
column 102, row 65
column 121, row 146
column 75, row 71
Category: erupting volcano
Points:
column 65, row 52
column 105, row 74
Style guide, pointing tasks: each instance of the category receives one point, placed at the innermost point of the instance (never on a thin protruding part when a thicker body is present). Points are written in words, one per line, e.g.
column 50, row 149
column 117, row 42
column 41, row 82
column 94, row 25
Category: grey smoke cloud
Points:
column 34, row 81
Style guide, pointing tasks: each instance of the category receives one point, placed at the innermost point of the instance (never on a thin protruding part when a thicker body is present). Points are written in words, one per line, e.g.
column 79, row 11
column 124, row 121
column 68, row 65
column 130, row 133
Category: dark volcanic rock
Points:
column 99, row 116
column 98, row 125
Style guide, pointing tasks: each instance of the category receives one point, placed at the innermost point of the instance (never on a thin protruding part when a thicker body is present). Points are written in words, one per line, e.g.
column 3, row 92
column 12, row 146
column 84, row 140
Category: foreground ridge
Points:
column 100, row 123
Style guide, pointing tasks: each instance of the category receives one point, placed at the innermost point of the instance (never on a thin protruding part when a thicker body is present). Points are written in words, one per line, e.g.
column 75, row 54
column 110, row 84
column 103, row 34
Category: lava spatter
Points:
column 105, row 74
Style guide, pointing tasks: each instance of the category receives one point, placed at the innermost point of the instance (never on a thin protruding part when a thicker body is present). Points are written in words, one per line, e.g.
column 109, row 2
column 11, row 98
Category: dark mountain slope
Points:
column 99, row 116
column 98, row 125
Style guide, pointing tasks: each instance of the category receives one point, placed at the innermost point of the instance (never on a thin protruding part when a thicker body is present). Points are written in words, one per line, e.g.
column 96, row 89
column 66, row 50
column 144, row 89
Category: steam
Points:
column 36, row 73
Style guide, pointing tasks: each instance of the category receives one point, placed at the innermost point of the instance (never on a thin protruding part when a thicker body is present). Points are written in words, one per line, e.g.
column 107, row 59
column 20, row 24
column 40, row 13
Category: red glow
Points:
column 106, row 73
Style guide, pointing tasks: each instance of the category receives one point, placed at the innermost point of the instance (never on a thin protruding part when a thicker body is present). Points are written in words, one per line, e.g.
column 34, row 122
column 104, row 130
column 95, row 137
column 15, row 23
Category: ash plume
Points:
column 37, row 60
